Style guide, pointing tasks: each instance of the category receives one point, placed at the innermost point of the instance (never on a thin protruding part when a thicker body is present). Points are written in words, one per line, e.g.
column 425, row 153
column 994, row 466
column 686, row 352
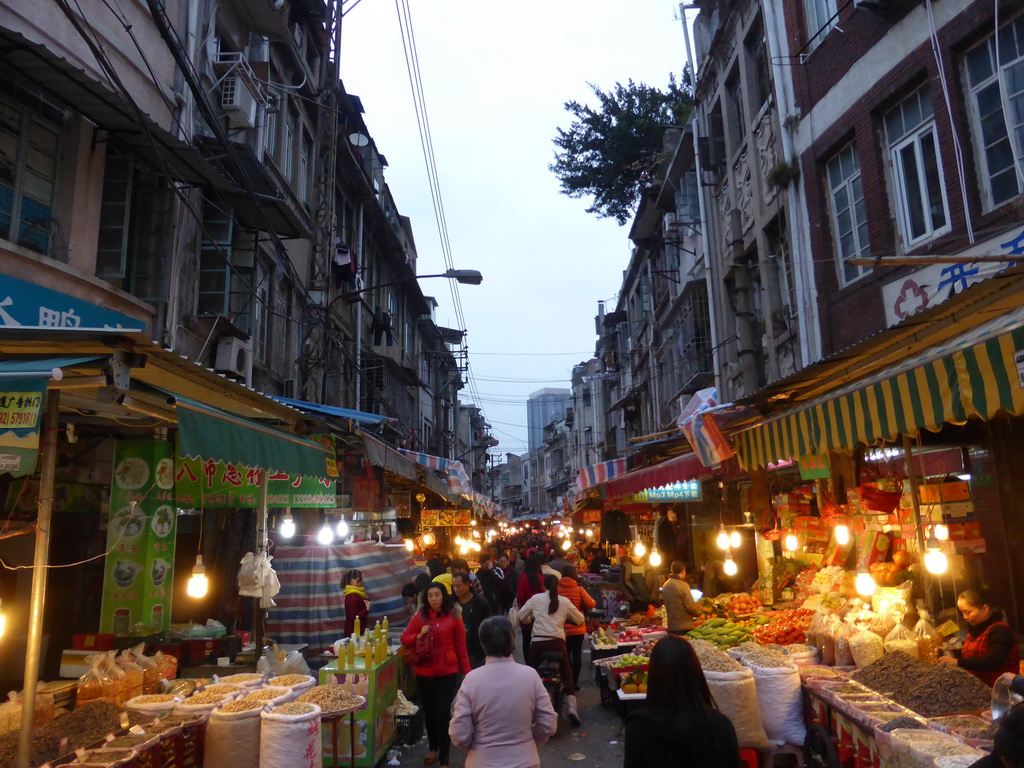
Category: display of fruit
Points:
column 634, row 682
column 784, row 627
column 742, row 604
column 632, row 660
column 630, row 636
column 601, row 639
column 722, row 633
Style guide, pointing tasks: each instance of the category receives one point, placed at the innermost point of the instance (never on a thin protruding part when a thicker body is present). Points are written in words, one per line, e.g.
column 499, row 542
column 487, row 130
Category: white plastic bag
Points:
column 735, row 694
column 248, row 581
column 290, row 741
column 781, row 703
column 867, row 647
column 233, row 739
column 294, row 664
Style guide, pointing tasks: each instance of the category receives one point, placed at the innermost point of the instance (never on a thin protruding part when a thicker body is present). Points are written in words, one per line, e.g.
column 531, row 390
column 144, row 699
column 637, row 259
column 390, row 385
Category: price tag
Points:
column 80, row 753
column 124, row 720
column 63, row 746
column 138, row 730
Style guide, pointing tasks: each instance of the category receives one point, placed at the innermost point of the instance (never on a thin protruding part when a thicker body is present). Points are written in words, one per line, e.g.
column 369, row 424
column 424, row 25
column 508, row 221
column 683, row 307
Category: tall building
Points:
column 543, row 407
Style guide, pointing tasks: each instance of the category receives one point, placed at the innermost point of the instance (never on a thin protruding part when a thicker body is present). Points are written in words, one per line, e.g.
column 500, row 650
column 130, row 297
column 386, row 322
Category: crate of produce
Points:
column 409, row 728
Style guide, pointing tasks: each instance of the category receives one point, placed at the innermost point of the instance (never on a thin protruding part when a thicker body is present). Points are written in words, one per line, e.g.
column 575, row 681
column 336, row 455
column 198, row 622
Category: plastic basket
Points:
column 409, row 728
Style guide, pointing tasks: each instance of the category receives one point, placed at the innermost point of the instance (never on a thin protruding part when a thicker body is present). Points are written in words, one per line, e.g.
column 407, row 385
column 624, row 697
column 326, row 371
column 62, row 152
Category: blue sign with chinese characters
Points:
column 689, row 490
column 27, row 305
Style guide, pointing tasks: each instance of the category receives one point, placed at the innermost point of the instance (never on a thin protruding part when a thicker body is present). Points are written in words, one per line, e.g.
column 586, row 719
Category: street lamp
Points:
column 464, row 276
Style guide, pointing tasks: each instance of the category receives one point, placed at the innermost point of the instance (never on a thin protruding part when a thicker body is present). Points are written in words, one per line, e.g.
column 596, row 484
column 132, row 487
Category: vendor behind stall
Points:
column 991, row 646
column 356, row 603
column 640, row 582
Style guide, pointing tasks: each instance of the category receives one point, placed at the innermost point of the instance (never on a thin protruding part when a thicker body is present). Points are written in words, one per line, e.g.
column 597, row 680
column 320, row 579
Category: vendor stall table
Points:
column 331, row 719
column 373, row 727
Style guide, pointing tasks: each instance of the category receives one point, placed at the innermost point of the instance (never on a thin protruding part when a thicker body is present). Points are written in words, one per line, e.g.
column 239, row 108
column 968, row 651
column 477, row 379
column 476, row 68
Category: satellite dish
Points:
column 358, row 139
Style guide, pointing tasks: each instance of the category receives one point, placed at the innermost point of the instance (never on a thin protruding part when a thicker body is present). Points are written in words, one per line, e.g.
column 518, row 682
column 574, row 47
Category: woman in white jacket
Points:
column 550, row 611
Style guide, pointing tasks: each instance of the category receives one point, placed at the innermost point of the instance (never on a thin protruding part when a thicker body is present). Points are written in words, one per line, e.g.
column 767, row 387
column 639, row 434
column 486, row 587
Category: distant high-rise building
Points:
column 542, row 407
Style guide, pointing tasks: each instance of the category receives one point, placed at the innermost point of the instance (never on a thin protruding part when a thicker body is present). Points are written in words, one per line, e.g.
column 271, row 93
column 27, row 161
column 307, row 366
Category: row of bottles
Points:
column 371, row 647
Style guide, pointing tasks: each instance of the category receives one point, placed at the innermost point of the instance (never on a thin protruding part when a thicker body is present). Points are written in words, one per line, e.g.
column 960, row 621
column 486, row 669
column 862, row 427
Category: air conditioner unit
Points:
column 259, row 49
column 238, row 101
column 876, row 6
column 234, row 359
column 290, row 387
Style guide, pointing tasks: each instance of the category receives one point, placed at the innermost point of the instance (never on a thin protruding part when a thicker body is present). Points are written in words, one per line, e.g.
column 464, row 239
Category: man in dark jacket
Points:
column 679, row 604
column 474, row 610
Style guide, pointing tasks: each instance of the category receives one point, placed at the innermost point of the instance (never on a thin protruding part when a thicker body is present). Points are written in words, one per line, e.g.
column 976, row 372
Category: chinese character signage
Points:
column 208, row 483
column 21, row 410
column 139, row 573
column 27, row 305
column 435, row 517
column 814, row 467
column 689, row 490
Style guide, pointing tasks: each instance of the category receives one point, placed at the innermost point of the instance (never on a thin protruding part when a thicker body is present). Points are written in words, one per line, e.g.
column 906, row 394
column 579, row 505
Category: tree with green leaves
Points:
column 612, row 153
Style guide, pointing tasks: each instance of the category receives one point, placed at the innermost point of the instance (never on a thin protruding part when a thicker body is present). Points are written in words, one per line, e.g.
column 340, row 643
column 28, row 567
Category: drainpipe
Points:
column 744, row 311
column 803, row 265
column 706, row 227
column 359, row 308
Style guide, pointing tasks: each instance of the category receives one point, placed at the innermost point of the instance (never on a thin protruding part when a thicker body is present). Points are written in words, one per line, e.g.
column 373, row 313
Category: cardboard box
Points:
column 959, row 509
column 92, row 643
column 929, row 493
column 972, row 530
column 837, row 554
column 874, row 547
column 955, row 491
column 73, row 664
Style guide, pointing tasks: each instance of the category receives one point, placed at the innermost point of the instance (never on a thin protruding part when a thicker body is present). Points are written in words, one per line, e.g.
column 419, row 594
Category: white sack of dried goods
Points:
column 867, row 647
column 290, row 737
column 233, row 739
column 736, row 696
column 781, row 703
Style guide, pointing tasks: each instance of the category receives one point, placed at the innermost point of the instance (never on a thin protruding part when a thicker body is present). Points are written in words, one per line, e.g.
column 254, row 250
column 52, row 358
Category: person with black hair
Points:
column 680, row 607
column 991, row 646
column 680, row 724
column 502, row 712
column 531, row 582
column 550, row 611
column 356, row 603
column 474, row 610
column 569, row 587
column 440, row 643
column 1008, row 748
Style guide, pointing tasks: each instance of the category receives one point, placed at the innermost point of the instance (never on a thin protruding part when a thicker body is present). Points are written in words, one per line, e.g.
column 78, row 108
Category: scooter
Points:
column 550, row 670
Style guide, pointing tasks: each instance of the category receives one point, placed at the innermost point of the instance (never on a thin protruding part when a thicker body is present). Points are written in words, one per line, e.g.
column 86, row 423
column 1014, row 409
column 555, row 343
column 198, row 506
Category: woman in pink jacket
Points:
column 502, row 711
column 437, row 675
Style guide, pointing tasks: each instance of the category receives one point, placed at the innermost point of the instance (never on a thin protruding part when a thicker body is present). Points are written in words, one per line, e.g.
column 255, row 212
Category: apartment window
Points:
column 281, row 322
column 758, row 55
column 587, row 398
column 737, row 120
column 305, row 160
column 270, row 133
column 917, row 171
column 821, row 17
column 260, row 313
column 289, row 145
column 996, row 84
column 29, row 151
column 849, row 219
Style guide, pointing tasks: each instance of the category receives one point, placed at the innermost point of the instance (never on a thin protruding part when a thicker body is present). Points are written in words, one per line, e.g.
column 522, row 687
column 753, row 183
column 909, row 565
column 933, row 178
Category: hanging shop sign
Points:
column 27, row 305
column 208, row 483
column 814, row 467
column 21, row 412
column 688, row 490
column 445, row 517
column 139, row 571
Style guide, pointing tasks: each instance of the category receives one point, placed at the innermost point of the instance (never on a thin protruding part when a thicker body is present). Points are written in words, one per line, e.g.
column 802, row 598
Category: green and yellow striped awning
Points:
column 962, row 378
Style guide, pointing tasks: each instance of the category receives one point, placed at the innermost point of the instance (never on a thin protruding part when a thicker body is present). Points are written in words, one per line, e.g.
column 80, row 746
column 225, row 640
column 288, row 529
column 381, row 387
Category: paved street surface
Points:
column 598, row 739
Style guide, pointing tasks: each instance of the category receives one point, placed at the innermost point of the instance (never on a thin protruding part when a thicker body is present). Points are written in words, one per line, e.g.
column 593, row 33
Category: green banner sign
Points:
column 814, row 467
column 21, row 409
column 208, row 483
column 139, row 572
column 689, row 490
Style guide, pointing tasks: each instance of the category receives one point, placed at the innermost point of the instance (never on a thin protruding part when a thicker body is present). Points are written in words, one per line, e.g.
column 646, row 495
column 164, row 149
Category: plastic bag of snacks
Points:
column 168, row 665
column 150, row 671
column 866, row 647
column 119, row 676
column 844, row 653
column 882, row 624
column 95, row 684
column 134, row 676
column 929, row 641
column 901, row 639
column 10, row 711
column 290, row 736
column 828, row 628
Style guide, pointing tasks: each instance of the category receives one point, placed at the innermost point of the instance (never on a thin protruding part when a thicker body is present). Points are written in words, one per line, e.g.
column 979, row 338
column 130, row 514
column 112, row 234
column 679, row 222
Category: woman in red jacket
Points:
column 578, row 596
column 531, row 582
column 438, row 673
column 356, row 604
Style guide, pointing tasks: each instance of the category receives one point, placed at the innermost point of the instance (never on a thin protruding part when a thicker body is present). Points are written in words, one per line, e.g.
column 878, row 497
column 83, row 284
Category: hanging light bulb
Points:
column 729, row 566
column 197, row 583
column 842, row 535
column 655, row 558
column 342, row 528
column 3, row 620
column 326, row 535
column 639, row 549
column 473, row 521
column 287, row 526
column 935, row 560
column 735, row 540
column 590, row 533
column 566, row 544
column 865, row 583
column 459, row 541
column 428, row 539
column 464, row 549
column 476, row 534
column 723, row 538
column 792, row 543
column 941, row 532
column 409, row 545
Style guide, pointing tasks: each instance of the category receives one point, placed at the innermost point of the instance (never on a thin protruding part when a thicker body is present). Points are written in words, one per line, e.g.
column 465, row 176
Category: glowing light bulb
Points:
column 428, row 539
column 197, row 583
column 655, row 558
column 940, row 532
column 409, row 545
column 792, row 543
column 473, row 521
column 342, row 529
column 935, row 561
column 326, row 535
column 476, row 534
column 491, row 533
column 842, row 535
column 459, row 541
column 735, row 539
column 730, row 567
column 463, row 550
column 865, row 584
column 287, row 527
column 639, row 549
column 723, row 538
column 590, row 533
column 566, row 545
column 3, row 619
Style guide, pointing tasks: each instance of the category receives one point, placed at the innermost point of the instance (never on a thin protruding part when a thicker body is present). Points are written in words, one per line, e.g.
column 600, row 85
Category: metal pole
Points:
column 915, row 497
column 47, row 462
column 259, row 614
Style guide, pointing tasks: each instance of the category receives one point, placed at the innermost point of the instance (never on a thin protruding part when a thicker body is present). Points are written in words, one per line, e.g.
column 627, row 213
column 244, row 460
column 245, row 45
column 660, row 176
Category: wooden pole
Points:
column 915, row 497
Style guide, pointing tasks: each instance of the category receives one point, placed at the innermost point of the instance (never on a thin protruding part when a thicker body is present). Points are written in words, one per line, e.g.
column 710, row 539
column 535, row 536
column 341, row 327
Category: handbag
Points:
column 422, row 650
column 513, row 614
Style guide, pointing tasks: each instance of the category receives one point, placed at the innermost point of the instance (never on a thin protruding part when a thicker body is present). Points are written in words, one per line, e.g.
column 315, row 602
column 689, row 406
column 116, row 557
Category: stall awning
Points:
column 972, row 374
column 678, row 470
column 214, row 434
column 390, row 460
column 331, row 410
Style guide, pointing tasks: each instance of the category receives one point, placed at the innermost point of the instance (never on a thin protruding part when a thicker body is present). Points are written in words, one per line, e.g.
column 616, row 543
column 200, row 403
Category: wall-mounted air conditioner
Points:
column 238, row 101
column 290, row 387
column 234, row 359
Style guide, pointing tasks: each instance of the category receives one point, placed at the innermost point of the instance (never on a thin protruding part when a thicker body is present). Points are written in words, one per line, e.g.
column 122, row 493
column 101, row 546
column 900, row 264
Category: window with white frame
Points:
column 288, row 166
column 918, row 186
column 849, row 219
column 821, row 18
column 270, row 133
column 995, row 80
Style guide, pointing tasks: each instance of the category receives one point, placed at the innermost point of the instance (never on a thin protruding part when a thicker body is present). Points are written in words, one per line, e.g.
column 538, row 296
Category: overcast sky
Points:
column 495, row 78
